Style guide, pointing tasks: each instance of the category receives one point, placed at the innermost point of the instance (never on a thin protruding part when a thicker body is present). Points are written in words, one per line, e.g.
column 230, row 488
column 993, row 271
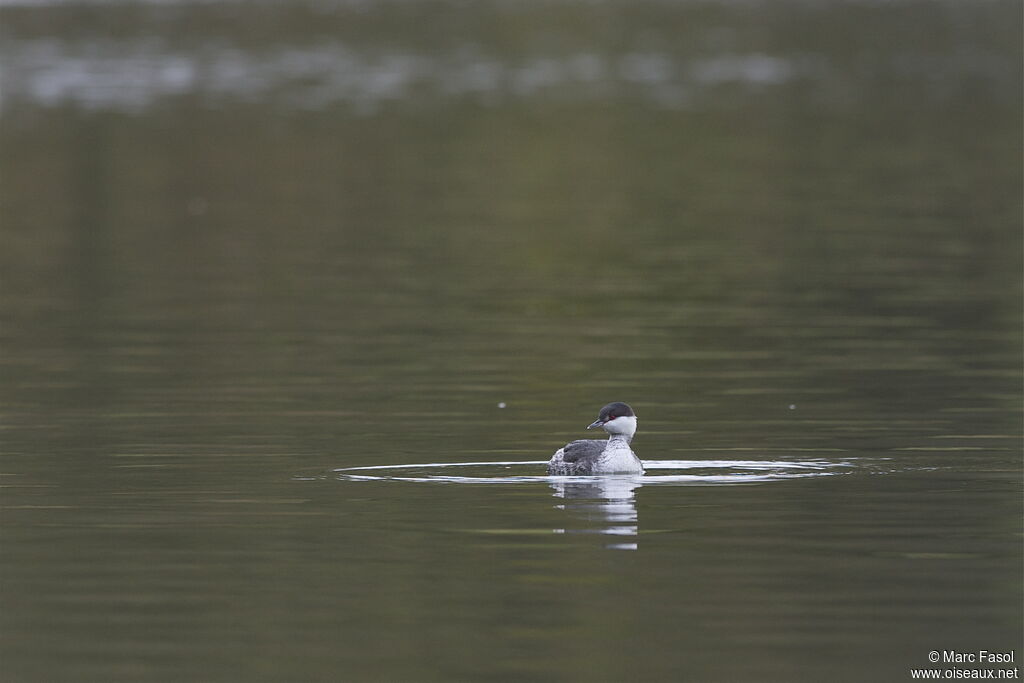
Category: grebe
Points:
column 592, row 456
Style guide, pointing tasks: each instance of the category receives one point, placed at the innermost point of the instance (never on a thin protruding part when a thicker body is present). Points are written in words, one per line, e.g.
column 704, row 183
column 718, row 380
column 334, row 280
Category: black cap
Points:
column 612, row 411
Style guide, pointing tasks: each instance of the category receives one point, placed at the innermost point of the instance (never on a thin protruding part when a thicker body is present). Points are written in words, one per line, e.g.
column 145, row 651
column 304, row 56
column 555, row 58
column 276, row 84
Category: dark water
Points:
column 248, row 248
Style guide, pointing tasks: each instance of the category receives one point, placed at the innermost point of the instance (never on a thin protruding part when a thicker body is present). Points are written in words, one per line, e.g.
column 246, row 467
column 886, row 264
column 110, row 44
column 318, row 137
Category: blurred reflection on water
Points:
column 129, row 57
column 606, row 505
column 244, row 247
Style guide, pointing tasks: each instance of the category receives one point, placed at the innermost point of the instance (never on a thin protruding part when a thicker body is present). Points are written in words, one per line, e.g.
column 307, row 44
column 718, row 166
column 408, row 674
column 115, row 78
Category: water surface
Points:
column 246, row 253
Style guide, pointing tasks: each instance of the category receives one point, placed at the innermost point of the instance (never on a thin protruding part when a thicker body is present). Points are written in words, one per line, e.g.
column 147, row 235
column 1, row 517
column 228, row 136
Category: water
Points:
column 296, row 301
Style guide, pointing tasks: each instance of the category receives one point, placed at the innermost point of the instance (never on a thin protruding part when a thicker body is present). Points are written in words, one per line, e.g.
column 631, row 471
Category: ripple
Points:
column 659, row 472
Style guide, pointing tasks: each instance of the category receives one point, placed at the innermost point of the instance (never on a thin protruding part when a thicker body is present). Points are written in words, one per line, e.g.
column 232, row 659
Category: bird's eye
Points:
column 611, row 417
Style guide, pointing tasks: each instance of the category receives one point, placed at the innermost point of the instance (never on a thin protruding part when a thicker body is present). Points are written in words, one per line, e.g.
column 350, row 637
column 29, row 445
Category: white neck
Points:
column 622, row 428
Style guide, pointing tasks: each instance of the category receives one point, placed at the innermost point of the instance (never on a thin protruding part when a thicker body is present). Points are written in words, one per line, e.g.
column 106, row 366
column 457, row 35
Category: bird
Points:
column 593, row 456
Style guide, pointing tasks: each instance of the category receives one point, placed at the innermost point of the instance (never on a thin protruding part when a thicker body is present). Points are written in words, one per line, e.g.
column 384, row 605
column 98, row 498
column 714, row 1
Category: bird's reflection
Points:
column 601, row 505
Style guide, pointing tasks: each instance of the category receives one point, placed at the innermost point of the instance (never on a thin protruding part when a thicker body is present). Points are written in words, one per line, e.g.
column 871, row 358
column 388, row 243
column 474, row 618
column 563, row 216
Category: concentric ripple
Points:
column 659, row 472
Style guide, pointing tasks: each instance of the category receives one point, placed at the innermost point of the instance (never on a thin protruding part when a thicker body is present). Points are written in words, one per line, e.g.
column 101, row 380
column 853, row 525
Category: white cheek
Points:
column 621, row 425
